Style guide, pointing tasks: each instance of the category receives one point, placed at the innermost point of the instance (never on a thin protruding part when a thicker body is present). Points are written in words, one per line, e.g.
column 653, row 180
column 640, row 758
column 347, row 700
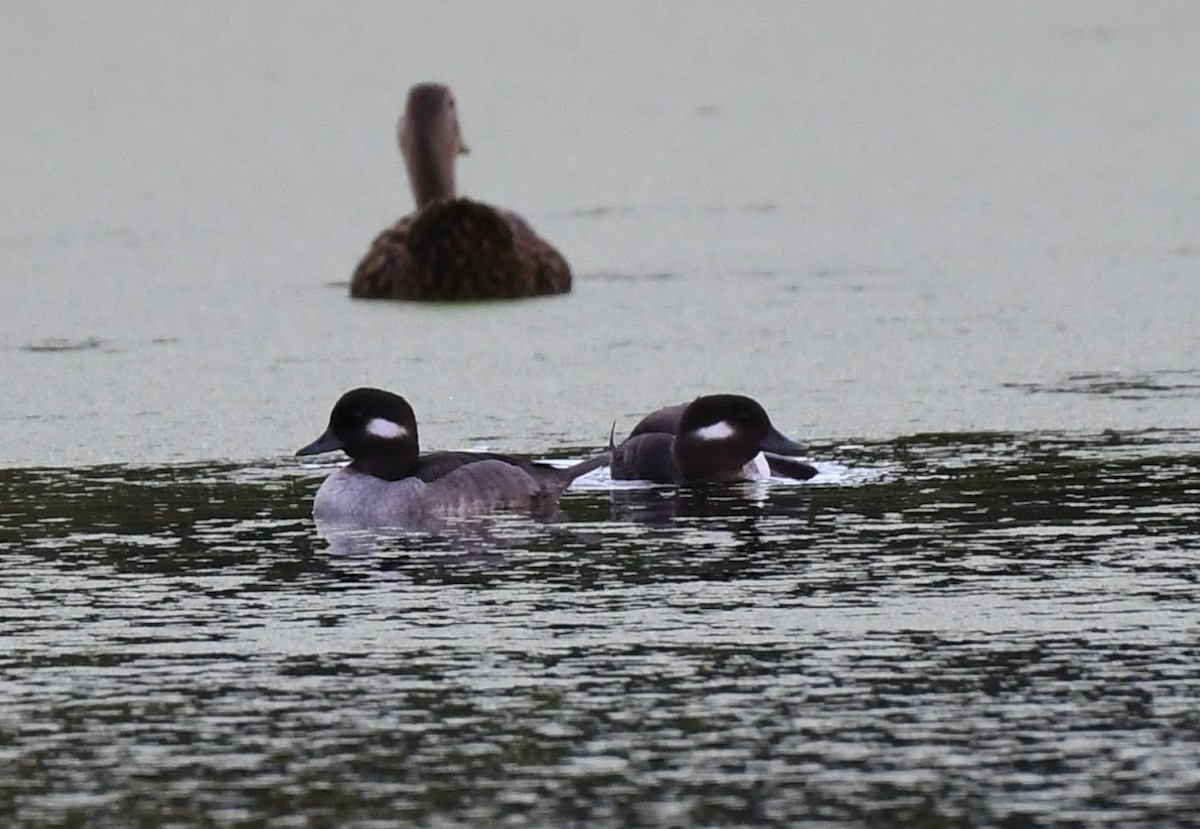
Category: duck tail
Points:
column 585, row 466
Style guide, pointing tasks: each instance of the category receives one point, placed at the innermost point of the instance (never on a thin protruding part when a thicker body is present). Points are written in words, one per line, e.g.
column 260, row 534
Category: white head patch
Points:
column 381, row 427
column 717, row 431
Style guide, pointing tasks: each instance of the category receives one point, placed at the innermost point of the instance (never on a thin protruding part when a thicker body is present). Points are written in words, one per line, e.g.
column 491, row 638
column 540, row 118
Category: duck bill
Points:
column 325, row 443
column 786, row 467
column 781, row 444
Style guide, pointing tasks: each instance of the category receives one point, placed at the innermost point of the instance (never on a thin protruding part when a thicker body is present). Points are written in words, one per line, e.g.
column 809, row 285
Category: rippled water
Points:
column 944, row 630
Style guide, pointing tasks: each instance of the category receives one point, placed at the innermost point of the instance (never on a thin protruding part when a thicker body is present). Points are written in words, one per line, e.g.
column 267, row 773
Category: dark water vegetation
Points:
column 951, row 630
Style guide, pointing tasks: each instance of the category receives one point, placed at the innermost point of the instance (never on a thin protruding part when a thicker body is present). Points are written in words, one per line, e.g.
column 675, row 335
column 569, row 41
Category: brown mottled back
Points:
column 460, row 249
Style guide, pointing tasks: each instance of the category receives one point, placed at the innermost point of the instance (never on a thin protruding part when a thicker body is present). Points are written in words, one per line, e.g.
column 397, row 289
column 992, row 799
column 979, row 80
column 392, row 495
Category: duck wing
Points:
column 645, row 457
column 473, row 482
column 385, row 272
column 665, row 420
column 433, row 466
column 547, row 268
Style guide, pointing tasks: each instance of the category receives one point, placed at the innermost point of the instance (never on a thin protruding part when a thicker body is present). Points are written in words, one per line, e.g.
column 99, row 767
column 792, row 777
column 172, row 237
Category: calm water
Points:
column 952, row 245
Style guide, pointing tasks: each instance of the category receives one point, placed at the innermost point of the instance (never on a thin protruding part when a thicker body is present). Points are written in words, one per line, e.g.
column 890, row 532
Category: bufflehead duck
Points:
column 388, row 481
column 717, row 437
column 452, row 248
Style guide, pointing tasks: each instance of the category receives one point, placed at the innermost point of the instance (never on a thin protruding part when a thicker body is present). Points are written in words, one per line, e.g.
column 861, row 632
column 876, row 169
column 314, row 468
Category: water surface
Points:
column 968, row 642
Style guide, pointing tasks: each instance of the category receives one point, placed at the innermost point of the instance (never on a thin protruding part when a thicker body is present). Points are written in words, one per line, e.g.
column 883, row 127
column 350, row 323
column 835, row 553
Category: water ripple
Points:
column 951, row 630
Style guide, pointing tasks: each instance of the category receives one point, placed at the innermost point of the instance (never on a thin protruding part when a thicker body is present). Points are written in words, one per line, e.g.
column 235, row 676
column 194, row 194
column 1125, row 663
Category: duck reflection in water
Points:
column 736, row 500
column 454, row 540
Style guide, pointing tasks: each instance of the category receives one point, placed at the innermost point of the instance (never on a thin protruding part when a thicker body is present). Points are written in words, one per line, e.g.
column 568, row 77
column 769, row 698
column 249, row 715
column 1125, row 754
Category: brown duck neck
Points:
column 430, row 176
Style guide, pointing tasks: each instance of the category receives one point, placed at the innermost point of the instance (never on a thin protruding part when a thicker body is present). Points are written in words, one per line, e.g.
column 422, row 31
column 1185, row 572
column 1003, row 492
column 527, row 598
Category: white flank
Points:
column 717, row 431
column 758, row 467
column 386, row 429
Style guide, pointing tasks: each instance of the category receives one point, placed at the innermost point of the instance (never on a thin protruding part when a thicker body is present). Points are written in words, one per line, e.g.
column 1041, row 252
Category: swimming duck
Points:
column 717, row 437
column 451, row 247
column 389, row 482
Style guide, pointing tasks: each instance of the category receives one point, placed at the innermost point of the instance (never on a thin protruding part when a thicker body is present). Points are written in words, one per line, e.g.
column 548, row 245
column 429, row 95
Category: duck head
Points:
column 720, row 433
column 376, row 428
column 430, row 139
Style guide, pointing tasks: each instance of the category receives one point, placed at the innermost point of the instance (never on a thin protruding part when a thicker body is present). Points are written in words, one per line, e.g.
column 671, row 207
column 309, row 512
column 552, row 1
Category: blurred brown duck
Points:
column 451, row 247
